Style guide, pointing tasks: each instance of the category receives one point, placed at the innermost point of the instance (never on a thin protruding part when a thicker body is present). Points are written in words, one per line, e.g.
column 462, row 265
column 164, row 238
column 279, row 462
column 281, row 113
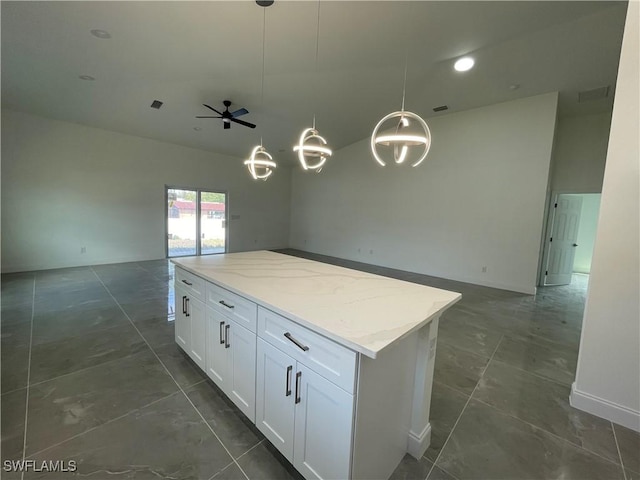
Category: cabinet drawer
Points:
column 334, row 362
column 234, row 306
column 192, row 285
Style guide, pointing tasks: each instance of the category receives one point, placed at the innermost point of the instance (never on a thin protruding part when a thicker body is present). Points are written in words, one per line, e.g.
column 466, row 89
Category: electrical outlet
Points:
column 370, row 252
column 484, row 269
column 358, row 250
column 83, row 249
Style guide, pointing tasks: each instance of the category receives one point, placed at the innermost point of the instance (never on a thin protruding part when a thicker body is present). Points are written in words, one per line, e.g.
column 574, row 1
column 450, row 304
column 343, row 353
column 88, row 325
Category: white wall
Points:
column 477, row 200
column 65, row 186
column 586, row 232
column 580, row 153
column 608, row 376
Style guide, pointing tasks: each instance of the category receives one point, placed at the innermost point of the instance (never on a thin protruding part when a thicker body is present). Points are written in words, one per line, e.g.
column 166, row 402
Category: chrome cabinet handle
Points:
column 221, row 338
column 187, row 303
column 226, row 336
column 222, row 302
column 188, row 283
column 287, row 391
column 298, row 377
column 302, row 347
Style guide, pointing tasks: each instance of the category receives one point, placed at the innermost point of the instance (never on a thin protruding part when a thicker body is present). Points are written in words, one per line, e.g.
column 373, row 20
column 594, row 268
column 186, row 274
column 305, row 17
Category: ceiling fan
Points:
column 228, row 117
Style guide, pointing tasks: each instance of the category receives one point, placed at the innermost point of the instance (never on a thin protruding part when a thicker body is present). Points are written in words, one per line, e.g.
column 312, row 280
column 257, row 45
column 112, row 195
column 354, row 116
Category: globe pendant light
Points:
column 401, row 136
column 312, row 148
column 260, row 162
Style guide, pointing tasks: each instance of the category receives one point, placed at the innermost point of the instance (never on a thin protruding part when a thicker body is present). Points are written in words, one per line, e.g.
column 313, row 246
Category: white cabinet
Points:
column 323, row 427
column 190, row 325
column 231, row 359
column 275, row 397
column 308, row 418
column 332, row 412
column 182, row 322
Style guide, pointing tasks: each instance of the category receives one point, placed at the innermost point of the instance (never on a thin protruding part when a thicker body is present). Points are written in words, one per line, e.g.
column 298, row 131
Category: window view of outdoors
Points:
column 185, row 236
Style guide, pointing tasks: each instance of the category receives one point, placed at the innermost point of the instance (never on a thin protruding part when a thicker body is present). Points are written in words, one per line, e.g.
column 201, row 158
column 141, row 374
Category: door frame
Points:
column 198, row 191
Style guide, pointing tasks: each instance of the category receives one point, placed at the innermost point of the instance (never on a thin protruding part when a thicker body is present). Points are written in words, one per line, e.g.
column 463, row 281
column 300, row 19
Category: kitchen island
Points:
column 333, row 365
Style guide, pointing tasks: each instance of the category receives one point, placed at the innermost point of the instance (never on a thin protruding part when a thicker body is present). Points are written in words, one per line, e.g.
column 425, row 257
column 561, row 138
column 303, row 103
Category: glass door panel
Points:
column 213, row 219
column 181, row 222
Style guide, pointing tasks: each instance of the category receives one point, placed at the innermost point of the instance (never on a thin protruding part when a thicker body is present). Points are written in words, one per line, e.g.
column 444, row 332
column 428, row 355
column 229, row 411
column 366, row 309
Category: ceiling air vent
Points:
column 156, row 104
column 441, row 108
column 595, row 94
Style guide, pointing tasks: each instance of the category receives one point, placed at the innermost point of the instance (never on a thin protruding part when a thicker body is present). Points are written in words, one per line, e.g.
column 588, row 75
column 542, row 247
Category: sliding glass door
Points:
column 196, row 222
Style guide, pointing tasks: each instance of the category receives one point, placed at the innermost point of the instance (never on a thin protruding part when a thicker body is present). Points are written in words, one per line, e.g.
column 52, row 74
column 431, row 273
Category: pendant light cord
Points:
column 317, row 50
column 406, row 58
column 264, row 30
column 404, row 83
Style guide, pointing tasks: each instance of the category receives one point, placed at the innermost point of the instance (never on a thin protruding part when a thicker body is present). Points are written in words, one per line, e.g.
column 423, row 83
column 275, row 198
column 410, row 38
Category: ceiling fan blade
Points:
column 206, row 117
column 237, row 113
column 211, row 108
column 241, row 122
column 227, row 125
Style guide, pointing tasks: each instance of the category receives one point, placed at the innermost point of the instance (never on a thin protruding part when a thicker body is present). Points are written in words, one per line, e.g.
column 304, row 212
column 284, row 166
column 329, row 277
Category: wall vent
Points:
column 594, row 94
column 156, row 104
column 441, row 108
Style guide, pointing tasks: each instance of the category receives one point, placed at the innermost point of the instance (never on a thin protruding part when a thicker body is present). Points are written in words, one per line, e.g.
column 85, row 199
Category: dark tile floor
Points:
column 90, row 373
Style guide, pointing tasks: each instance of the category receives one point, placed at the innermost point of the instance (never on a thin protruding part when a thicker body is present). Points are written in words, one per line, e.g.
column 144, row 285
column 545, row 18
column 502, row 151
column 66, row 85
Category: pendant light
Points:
column 260, row 162
column 401, row 135
column 312, row 148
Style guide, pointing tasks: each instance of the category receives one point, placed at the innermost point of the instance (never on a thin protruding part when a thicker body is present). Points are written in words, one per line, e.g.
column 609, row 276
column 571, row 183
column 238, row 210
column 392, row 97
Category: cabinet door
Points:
column 182, row 323
column 217, row 357
column 275, row 408
column 323, row 427
column 241, row 387
column 198, row 346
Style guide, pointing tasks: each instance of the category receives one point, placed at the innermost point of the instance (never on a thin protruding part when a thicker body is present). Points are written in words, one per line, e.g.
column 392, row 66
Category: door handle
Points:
column 221, row 337
column 225, row 304
column 287, row 391
column 226, row 336
column 298, row 377
column 184, row 307
column 302, row 347
column 187, row 309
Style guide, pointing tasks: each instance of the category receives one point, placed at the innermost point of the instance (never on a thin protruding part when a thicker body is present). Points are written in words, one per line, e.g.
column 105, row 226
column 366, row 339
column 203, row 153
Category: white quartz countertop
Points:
column 362, row 311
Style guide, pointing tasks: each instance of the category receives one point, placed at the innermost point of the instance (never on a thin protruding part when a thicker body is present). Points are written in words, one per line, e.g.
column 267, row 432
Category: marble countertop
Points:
column 362, row 311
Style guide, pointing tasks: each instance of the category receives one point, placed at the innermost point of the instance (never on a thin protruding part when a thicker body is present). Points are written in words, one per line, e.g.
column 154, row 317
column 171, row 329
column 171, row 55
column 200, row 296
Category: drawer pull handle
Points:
column 187, row 309
column 298, row 377
column 226, row 336
column 223, row 303
column 221, row 337
column 302, row 347
column 188, row 283
column 184, row 307
column 288, row 389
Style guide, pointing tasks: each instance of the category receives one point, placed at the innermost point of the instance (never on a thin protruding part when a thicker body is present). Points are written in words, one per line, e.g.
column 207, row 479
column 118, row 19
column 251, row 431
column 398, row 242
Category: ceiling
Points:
column 189, row 53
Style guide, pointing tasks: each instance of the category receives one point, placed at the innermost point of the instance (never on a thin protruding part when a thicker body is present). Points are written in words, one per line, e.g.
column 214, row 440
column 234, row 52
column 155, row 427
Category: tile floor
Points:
column 90, row 373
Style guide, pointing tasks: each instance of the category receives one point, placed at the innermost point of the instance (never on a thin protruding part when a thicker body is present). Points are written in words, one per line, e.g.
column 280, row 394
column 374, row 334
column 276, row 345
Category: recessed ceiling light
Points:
column 463, row 64
column 197, row 129
column 86, row 77
column 100, row 33
column 515, row 86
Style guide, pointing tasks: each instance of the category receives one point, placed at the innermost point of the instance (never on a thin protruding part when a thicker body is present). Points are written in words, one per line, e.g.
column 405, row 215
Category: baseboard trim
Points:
column 418, row 443
column 605, row 409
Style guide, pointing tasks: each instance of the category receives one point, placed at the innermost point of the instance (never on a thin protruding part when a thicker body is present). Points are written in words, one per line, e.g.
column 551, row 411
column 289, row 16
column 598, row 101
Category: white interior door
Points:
column 562, row 241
